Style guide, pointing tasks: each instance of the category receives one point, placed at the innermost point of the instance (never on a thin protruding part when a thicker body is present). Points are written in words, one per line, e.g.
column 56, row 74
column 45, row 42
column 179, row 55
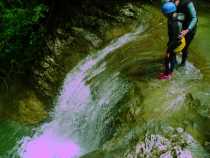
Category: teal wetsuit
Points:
column 187, row 7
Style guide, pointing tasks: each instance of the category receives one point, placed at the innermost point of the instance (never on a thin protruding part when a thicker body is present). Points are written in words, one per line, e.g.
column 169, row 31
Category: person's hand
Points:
column 183, row 33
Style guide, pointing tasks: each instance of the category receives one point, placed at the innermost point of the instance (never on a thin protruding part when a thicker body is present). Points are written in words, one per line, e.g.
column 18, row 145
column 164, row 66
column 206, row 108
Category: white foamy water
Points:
column 78, row 116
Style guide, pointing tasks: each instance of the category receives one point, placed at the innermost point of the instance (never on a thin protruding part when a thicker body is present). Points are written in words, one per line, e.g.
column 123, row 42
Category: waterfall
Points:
column 79, row 111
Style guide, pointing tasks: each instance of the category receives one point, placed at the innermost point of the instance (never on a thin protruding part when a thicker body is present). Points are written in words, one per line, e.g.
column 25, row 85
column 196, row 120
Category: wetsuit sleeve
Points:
column 193, row 15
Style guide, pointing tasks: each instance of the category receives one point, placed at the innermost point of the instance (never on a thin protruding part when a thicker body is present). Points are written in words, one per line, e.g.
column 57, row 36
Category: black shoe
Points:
column 182, row 64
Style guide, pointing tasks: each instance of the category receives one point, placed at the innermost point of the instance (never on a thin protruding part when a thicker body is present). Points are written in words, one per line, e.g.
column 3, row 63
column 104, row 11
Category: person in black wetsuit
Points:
column 175, row 44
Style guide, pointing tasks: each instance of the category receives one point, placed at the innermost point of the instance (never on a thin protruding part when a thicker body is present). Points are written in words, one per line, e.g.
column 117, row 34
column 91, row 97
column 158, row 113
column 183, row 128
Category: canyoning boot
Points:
column 165, row 76
column 182, row 64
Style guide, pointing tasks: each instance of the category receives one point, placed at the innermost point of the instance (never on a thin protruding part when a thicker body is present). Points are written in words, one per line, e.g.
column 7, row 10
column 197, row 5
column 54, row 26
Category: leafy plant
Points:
column 21, row 33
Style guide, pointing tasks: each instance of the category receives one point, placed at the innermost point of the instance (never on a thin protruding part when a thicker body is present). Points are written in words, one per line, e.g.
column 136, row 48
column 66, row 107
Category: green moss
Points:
column 31, row 110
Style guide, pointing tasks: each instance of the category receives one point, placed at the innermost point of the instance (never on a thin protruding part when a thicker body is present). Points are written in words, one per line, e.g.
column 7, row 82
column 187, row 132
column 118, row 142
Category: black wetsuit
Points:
column 174, row 28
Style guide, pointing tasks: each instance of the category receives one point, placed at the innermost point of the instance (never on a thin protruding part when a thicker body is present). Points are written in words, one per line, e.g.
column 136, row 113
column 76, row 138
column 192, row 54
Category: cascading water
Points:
column 97, row 87
column 77, row 120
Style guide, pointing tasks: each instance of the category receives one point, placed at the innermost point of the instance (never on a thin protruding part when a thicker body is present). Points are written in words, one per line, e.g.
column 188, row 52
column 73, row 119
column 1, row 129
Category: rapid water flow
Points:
column 112, row 94
column 77, row 118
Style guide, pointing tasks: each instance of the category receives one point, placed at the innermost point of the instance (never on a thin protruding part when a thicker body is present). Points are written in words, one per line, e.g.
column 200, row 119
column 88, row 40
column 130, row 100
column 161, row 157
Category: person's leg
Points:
column 170, row 62
column 189, row 37
column 173, row 61
column 167, row 63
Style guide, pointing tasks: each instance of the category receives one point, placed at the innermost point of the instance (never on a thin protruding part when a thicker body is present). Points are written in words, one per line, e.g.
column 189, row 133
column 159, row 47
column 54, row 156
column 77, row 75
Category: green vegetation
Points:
column 21, row 35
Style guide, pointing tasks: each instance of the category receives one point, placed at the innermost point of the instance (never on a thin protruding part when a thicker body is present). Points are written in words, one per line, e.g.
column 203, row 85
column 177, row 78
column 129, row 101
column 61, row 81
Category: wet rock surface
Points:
column 71, row 43
column 68, row 44
column 173, row 143
column 126, row 80
column 31, row 110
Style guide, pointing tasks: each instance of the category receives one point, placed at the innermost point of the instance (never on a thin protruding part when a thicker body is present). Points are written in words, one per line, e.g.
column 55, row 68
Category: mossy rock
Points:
column 31, row 110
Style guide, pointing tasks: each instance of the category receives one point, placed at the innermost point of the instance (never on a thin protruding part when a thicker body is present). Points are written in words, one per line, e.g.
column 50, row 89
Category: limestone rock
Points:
column 163, row 146
column 91, row 38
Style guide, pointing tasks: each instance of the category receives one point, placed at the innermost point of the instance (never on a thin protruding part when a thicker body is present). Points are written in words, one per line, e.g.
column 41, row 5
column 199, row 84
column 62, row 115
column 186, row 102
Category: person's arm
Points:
column 193, row 15
column 193, row 22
